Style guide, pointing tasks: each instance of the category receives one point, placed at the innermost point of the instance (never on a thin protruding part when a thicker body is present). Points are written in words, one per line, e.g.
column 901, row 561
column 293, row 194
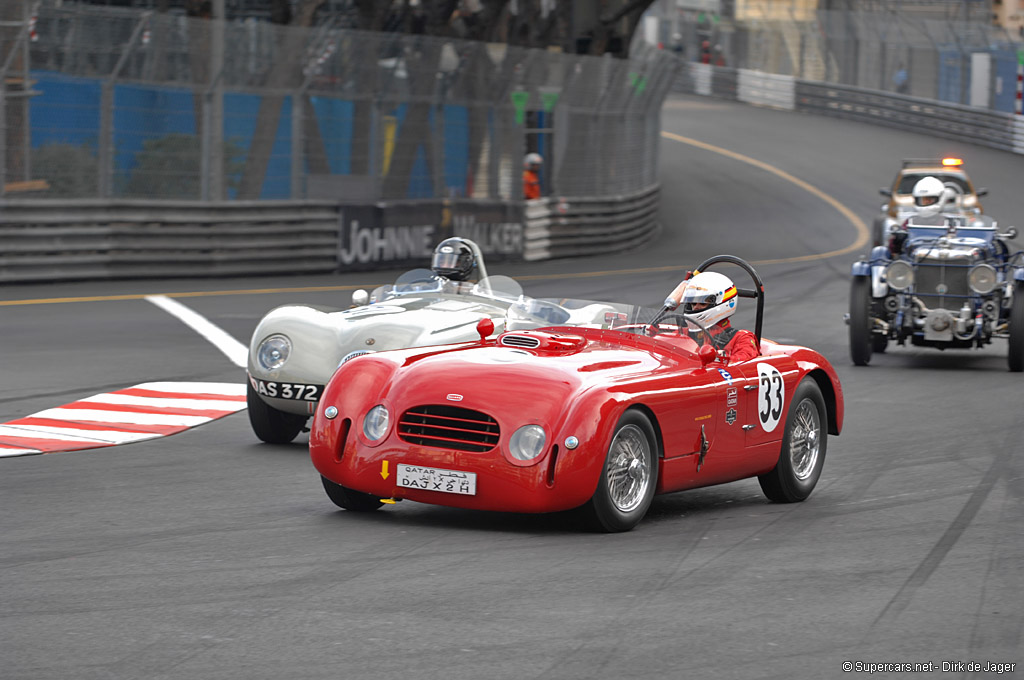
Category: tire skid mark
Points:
column 994, row 631
column 580, row 661
column 899, row 602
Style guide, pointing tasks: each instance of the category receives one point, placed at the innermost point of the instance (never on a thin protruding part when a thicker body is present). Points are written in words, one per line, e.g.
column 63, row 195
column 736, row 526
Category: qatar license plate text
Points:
column 436, row 479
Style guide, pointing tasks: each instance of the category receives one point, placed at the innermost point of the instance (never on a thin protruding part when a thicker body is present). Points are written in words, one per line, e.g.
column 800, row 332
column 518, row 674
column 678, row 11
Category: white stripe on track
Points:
column 127, row 417
column 227, row 389
column 166, row 402
column 7, row 452
column 232, row 349
column 6, row 431
column 105, row 436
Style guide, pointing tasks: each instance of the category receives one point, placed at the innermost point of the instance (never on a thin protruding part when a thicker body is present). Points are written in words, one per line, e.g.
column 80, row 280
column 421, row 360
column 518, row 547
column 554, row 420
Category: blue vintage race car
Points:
column 953, row 286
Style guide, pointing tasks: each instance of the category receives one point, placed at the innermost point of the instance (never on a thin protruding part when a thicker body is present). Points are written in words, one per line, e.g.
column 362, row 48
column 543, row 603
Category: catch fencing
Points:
column 905, row 50
column 122, row 104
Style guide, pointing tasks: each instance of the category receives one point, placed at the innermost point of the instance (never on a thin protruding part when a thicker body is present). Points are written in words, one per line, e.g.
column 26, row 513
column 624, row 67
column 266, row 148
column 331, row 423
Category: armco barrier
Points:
column 66, row 240
column 969, row 124
column 69, row 240
column 564, row 227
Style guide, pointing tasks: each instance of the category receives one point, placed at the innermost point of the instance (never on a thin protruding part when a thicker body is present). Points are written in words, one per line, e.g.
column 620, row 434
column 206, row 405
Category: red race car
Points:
column 599, row 418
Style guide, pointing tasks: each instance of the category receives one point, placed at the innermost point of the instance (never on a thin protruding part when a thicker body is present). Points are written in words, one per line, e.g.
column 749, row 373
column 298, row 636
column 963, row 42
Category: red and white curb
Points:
column 145, row 411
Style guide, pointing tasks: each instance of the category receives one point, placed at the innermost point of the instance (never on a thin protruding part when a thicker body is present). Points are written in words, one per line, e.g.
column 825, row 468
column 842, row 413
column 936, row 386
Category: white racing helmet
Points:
column 929, row 196
column 709, row 297
column 532, row 159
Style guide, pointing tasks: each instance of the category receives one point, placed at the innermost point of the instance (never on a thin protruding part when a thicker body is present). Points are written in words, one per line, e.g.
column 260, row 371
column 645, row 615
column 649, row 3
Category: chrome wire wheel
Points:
column 805, row 442
column 629, row 469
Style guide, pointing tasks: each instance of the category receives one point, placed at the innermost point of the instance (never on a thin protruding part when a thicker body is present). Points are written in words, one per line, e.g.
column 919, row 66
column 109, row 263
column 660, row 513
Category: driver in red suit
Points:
column 710, row 298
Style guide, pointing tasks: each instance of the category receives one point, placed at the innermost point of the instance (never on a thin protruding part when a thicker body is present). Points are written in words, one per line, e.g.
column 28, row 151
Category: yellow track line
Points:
column 862, row 239
column 863, row 234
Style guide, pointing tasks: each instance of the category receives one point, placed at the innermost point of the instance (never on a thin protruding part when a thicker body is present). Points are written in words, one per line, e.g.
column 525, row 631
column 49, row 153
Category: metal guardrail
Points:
column 953, row 121
column 973, row 125
column 565, row 227
column 90, row 239
column 71, row 240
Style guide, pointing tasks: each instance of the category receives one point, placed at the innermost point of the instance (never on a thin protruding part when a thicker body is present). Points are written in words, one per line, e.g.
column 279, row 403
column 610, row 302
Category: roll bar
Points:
column 756, row 292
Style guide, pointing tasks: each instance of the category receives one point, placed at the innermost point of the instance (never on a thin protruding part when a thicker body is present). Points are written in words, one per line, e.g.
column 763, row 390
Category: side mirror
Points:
column 1011, row 233
column 707, row 354
column 886, row 192
column 360, row 297
column 981, row 192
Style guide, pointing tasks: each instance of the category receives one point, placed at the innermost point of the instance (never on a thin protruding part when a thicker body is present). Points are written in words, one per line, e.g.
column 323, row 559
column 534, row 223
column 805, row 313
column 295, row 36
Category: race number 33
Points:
column 771, row 395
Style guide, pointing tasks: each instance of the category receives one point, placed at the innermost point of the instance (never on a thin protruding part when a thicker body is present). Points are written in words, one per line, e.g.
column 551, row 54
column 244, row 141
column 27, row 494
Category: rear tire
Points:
column 629, row 477
column 269, row 424
column 1016, row 352
column 803, row 447
column 860, row 321
column 349, row 499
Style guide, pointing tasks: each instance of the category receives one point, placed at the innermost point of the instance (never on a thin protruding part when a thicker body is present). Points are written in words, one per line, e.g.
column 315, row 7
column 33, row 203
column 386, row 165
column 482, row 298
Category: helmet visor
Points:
column 446, row 260
column 923, row 201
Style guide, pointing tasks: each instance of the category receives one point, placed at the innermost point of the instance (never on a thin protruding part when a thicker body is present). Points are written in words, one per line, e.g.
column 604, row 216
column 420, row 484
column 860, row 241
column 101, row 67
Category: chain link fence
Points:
column 113, row 103
column 960, row 62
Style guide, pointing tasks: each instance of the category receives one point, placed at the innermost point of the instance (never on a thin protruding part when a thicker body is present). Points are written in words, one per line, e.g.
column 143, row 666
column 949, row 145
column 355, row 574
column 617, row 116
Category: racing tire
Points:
column 803, row 447
column 861, row 342
column 349, row 499
column 628, row 478
column 1016, row 353
column 269, row 424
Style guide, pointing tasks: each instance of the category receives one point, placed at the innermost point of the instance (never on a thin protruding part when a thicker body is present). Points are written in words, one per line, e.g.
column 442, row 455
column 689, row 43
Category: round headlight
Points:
column 982, row 279
column 273, row 352
column 527, row 442
column 899, row 275
column 375, row 424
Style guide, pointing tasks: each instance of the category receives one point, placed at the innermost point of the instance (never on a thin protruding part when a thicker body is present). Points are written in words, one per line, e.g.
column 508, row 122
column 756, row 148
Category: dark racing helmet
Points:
column 453, row 259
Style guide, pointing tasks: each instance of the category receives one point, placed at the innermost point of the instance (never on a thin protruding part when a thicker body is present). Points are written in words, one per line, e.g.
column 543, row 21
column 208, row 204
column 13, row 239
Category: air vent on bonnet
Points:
column 543, row 340
column 520, row 341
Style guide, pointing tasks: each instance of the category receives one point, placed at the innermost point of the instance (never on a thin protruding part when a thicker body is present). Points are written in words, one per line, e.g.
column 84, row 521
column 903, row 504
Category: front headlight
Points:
column 273, row 352
column 982, row 279
column 375, row 424
column 527, row 442
column 899, row 275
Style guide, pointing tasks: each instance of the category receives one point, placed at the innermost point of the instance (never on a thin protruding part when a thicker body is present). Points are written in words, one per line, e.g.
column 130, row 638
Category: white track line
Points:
column 160, row 402
column 232, row 349
column 73, row 414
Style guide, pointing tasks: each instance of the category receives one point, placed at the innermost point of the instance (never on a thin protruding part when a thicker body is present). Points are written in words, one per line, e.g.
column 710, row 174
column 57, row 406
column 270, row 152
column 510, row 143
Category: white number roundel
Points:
column 771, row 396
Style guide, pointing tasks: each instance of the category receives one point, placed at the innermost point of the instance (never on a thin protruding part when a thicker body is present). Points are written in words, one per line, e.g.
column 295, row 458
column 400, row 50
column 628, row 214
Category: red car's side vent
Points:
column 449, row 427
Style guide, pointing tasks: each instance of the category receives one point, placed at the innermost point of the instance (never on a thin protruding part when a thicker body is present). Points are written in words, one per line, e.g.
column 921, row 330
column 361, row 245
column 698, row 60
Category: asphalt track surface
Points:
column 209, row 555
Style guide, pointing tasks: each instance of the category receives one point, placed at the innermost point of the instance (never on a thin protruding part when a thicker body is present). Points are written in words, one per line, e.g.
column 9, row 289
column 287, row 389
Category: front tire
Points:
column 803, row 447
column 628, row 478
column 349, row 499
column 1016, row 354
column 269, row 424
column 860, row 321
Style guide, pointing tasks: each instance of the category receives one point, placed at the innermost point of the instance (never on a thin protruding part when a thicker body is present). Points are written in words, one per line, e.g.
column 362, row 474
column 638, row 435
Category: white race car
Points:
column 296, row 348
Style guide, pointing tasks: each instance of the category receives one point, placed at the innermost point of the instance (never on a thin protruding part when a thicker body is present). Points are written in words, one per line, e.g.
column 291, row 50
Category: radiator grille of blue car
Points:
column 940, row 284
column 449, row 427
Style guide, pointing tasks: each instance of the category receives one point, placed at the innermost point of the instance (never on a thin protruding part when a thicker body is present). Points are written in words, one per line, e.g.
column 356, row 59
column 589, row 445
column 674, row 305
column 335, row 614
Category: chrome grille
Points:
column 941, row 284
column 449, row 427
column 520, row 341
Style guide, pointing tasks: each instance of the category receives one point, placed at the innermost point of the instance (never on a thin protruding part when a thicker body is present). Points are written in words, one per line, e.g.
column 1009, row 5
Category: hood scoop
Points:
column 542, row 340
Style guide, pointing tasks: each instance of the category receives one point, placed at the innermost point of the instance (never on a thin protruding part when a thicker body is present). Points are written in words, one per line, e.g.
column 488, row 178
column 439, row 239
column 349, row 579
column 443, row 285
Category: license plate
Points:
column 286, row 390
column 436, row 479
